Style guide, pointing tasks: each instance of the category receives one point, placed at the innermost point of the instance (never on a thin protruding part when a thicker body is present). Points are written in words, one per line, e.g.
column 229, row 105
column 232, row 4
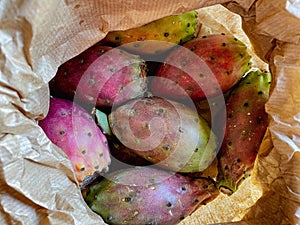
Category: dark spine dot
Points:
column 62, row 132
column 201, row 75
column 246, row 104
column 238, row 160
column 260, row 120
column 127, row 199
column 260, row 93
column 101, row 154
column 212, row 58
column 89, row 134
column 109, row 217
column 204, row 36
column 167, row 147
column 169, row 204
column 188, row 25
column 229, row 143
column 83, row 151
column 224, row 44
column 82, row 169
column 166, row 34
column 96, row 167
column 117, row 38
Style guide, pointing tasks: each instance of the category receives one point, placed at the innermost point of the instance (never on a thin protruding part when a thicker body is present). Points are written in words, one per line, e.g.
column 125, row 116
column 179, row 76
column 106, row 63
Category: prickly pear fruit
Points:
column 166, row 133
column 157, row 36
column 246, row 125
column 73, row 129
column 202, row 67
column 101, row 76
column 144, row 195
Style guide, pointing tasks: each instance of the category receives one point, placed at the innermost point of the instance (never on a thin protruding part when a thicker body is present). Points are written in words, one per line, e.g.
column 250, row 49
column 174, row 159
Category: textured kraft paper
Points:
column 37, row 183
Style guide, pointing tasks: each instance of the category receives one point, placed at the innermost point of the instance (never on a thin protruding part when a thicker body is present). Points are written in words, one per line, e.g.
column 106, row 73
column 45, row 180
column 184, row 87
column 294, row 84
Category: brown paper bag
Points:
column 37, row 183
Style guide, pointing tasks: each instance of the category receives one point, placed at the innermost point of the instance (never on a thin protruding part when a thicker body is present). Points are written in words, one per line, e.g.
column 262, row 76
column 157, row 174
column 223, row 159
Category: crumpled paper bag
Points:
column 37, row 183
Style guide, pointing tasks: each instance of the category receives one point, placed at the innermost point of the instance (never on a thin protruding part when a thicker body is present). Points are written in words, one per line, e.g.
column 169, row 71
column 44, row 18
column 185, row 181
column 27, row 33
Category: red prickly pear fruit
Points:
column 100, row 76
column 72, row 128
column 166, row 133
column 202, row 68
column 144, row 195
column 246, row 125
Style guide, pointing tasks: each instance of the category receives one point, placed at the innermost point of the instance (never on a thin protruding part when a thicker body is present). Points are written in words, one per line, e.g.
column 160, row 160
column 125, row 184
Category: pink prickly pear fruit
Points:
column 203, row 67
column 144, row 195
column 101, row 76
column 246, row 125
column 72, row 128
column 166, row 133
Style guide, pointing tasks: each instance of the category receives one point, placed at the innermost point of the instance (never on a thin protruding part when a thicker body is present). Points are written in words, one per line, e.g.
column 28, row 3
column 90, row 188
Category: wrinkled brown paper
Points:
column 37, row 183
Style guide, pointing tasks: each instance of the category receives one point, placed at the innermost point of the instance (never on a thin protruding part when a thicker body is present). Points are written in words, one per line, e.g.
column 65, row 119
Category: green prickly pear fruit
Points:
column 157, row 36
column 144, row 195
column 246, row 125
column 167, row 133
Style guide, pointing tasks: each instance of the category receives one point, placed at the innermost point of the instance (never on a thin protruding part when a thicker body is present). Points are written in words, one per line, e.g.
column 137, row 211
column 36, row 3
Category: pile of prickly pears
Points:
column 157, row 120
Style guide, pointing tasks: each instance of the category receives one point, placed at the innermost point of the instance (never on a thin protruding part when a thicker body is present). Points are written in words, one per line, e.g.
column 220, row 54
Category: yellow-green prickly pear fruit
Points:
column 157, row 36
